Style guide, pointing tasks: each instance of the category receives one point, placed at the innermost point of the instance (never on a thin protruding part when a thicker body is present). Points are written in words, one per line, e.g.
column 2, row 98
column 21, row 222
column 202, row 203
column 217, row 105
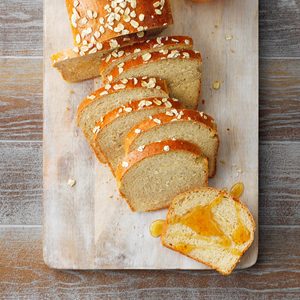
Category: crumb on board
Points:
column 222, row 162
column 216, row 85
column 228, row 129
column 72, row 92
column 71, row 182
column 203, row 101
column 228, row 37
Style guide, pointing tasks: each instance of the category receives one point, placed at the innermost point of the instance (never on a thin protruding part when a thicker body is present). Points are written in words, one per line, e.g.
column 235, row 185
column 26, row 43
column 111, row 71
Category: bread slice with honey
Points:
column 210, row 226
column 111, row 130
column 180, row 68
column 111, row 96
column 182, row 124
column 130, row 52
column 151, row 176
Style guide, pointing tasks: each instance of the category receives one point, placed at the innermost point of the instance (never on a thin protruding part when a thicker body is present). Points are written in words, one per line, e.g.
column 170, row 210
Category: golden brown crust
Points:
column 152, row 149
column 121, row 111
column 147, row 103
column 97, row 21
column 107, row 46
column 152, row 57
column 243, row 206
column 155, row 44
column 181, row 115
column 130, row 83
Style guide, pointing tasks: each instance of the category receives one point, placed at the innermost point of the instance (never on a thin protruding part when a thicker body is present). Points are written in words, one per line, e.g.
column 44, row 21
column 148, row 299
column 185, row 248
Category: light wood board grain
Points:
column 89, row 226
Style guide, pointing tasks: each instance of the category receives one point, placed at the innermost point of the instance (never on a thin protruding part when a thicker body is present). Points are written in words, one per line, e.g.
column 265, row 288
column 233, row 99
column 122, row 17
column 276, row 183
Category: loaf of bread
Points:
column 109, row 97
column 180, row 68
column 209, row 226
column 182, row 124
column 112, row 129
column 77, row 66
column 130, row 52
column 96, row 21
column 151, row 176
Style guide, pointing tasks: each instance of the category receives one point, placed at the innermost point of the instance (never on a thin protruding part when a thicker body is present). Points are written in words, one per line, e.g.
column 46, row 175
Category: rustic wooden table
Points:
column 22, row 271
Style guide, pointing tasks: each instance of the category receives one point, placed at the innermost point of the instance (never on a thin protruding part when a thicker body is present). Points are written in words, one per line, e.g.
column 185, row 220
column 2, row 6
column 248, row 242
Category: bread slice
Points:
column 181, row 70
column 182, row 124
column 110, row 97
column 112, row 129
column 209, row 226
column 76, row 66
column 130, row 52
column 150, row 177
column 95, row 21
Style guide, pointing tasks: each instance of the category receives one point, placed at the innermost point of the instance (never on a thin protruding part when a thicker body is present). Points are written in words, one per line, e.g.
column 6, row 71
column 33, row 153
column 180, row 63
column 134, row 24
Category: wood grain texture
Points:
column 21, row 182
column 275, row 276
column 21, row 28
column 21, row 90
column 280, row 99
column 280, row 28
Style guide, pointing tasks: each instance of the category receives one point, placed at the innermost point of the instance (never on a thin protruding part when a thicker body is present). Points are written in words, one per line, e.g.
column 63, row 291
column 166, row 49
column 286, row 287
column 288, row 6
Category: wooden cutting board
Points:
column 89, row 226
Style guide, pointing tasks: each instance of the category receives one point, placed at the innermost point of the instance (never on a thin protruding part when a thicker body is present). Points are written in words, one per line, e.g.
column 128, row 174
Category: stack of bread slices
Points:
column 144, row 124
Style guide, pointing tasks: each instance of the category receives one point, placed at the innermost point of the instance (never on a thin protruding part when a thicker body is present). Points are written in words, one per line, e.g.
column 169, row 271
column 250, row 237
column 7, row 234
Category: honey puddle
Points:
column 156, row 228
column 237, row 190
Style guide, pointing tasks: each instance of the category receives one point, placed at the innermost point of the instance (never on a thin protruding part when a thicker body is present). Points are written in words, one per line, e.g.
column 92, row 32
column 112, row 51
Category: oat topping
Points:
column 96, row 129
column 128, row 109
column 137, row 130
column 141, row 148
column 157, row 121
column 125, row 164
column 146, row 56
column 104, row 93
column 91, row 97
column 71, row 182
column 166, row 148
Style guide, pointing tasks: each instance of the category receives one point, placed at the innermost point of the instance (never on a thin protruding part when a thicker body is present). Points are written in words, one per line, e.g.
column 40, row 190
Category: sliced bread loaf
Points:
column 95, row 21
column 209, row 226
column 182, row 124
column 181, row 70
column 130, row 52
column 76, row 65
column 151, row 176
column 112, row 129
column 112, row 96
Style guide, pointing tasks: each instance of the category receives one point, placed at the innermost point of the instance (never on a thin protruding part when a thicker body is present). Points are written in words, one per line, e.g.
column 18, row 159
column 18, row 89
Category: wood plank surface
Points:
column 279, row 28
column 24, row 275
column 21, row 183
column 21, row 93
column 21, row 28
column 279, row 99
column 21, row 187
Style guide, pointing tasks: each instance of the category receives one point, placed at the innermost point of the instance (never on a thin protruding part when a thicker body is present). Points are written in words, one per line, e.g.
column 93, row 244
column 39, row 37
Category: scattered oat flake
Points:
column 71, row 182
column 228, row 37
column 216, row 85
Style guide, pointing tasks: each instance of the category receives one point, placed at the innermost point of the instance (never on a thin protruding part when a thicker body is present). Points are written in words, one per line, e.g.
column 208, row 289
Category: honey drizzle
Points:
column 241, row 234
column 201, row 220
column 156, row 228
